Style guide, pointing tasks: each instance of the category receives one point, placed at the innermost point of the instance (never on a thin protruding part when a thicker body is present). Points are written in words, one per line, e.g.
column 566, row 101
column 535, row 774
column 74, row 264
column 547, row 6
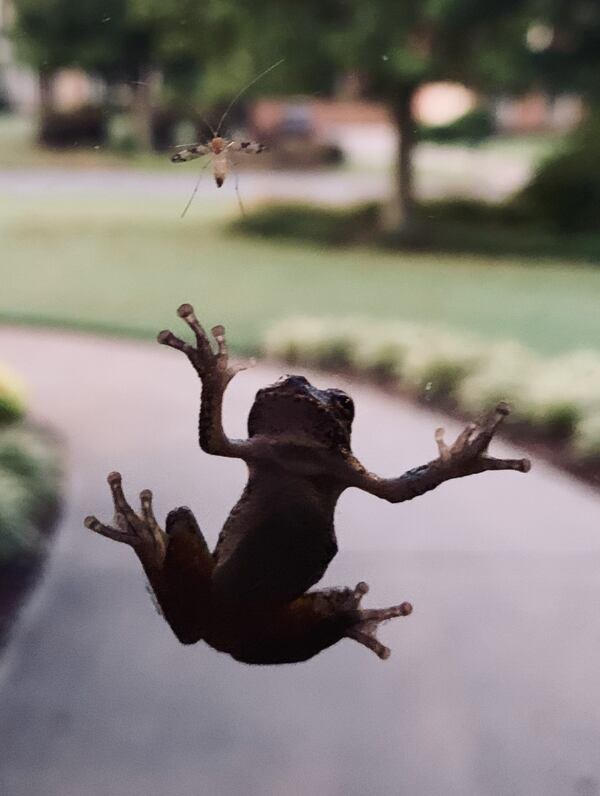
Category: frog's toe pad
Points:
column 364, row 628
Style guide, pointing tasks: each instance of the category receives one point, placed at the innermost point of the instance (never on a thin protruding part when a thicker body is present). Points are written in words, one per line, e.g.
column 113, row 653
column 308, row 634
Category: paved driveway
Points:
column 493, row 684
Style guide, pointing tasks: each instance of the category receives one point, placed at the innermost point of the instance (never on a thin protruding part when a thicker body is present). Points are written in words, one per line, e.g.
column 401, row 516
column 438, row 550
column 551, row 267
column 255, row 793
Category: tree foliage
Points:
column 569, row 57
column 393, row 48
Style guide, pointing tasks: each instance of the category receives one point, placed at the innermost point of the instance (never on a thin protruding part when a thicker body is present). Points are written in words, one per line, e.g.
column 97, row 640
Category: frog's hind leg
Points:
column 187, row 573
column 178, row 563
column 362, row 623
column 311, row 623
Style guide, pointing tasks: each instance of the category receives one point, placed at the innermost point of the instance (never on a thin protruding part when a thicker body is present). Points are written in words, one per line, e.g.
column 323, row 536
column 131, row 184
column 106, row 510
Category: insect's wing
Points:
column 250, row 147
column 190, row 153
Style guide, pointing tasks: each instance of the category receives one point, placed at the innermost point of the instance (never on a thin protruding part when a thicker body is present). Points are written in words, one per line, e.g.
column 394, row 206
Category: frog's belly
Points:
column 276, row 560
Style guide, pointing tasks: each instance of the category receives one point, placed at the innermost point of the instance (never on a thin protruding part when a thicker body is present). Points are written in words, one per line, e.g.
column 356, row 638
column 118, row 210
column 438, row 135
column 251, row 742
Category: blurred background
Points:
column 423, row 229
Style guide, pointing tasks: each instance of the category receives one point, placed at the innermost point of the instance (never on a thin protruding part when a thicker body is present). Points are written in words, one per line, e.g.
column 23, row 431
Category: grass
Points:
column 123, row 266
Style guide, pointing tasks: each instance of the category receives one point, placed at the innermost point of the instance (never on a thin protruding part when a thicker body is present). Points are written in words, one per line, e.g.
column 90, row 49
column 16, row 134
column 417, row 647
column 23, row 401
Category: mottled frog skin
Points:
column 250, row 597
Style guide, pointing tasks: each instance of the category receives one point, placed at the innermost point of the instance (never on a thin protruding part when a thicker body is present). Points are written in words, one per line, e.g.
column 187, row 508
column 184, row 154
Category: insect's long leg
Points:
column 246, row 87
column 236, row 178
column 196, row 186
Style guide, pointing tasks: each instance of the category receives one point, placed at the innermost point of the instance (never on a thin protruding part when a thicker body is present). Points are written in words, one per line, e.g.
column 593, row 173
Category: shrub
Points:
column 565, row 190
column 323, row 342
column 29, row 487
column 587, row 436
column 17, row 534
column 121, row 135
column 501, row 377
column 472, row 128
column 381, row 348
column 563, row 390
column 30, row 457
column 12, row 397
column 29, row 472
column 555, row 397
column 84, row 126
column 318, row 225
column 438, row 363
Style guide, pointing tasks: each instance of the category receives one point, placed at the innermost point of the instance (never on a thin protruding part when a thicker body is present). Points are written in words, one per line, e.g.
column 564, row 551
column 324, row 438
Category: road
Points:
column 440, row 172
column 492, row 688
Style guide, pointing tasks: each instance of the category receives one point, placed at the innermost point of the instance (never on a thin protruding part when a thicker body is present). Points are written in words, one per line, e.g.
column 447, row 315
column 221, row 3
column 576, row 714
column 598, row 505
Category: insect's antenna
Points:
column 243, row 91
column 196, row 186
column 209, row 126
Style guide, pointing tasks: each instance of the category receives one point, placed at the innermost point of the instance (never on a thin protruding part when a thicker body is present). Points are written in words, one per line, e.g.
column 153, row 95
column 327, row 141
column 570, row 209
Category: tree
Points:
column 564, row 43
column 395, row 47
column 54, row 34
column 124, row 41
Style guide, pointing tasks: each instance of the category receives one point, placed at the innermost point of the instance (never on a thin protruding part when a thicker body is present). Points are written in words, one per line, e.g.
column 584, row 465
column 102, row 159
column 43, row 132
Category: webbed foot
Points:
column 468, row 454
column 367, row 620
column 140, row 531
column 207, row 364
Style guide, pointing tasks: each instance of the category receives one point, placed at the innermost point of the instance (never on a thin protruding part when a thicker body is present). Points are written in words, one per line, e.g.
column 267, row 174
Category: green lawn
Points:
column 125, row 265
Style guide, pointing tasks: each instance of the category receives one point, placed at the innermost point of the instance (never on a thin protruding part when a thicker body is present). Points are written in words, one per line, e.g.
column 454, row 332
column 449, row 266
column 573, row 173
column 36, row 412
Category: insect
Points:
column 219, row 148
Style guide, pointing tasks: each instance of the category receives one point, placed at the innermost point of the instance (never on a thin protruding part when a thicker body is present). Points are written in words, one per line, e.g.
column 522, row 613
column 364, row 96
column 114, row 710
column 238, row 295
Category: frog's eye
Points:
column 344, row 402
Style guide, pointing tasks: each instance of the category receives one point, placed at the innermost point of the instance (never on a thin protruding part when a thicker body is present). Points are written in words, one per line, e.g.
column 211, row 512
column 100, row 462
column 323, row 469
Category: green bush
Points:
column 302, row 339
column 587, row 437
column 437, row 364
column 29, row 472
column 32, row 458
column 121, row 136
column 81, row 127
column 17, row 534
column 565, row 190
column 319, row 225
column 557, row 397
column 382, row 349
column 472, row 128
column 447, row 225
column 12, row 397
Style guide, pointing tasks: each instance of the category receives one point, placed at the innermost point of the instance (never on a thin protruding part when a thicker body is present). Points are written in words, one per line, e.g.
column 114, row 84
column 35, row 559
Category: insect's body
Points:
column 219, row 148
column 217, row 145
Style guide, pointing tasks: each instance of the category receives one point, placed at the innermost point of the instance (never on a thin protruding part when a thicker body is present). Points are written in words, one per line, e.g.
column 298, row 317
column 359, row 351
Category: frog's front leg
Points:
column 177, row 563
column 466, row 456
column 139, row 531
column 215, row 374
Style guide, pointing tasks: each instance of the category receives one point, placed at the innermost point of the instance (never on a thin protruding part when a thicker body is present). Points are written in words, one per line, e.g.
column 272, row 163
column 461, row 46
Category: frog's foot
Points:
column 208, row 365
column 468, row 454
column 140, row 531
column 367, row 620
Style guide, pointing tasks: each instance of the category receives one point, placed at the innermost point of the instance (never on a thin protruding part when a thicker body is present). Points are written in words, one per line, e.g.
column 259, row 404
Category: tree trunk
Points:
column 399, row 213
column 142, row 105
column 45, row 99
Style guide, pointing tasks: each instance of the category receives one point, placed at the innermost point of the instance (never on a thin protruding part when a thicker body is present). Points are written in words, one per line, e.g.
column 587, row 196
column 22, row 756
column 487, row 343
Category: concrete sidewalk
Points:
column 492, row 687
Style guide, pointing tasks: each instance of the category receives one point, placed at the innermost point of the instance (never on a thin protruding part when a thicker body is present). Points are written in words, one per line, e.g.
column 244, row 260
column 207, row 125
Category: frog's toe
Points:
column 365, row 626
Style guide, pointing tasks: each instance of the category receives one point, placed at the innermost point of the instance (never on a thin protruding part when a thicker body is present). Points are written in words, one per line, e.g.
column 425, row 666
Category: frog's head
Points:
column 293, row 407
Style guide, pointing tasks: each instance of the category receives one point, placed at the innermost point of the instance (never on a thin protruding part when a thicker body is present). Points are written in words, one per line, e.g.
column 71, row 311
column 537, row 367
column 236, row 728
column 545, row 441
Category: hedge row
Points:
column 29, row 473
column 555, row 397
